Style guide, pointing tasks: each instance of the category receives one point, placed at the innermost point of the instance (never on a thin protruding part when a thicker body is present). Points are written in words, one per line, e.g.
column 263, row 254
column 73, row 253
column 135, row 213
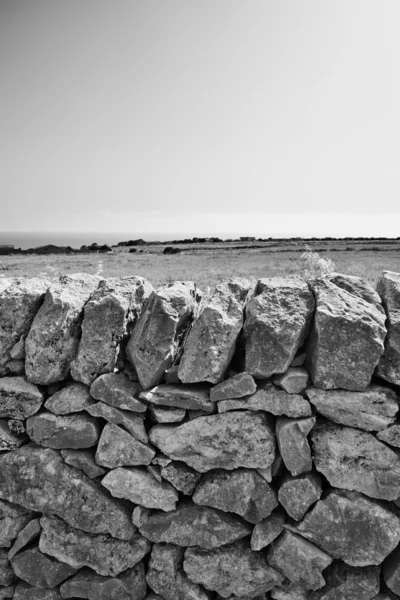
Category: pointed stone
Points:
column 119, row 448
column 293, row 381
column 343, row 581
column 293, row 443
column 192, row 397
column 389, row 289
column 39, row 570
column 116, row 390
column 166, row 414
column 30, row 532
column 297, row 494
column 84, row 460
column 8, row 441
column 266, row 531
column 6, row 573
column 13, row 518
column 73, row 398
column 70, row 431
column 238, row 386
column 133, row 422
column 19, row 399
column 182, row 477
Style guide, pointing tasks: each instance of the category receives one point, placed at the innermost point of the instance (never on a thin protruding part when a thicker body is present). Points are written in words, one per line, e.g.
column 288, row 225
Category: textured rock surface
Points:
column 19, row 399
column 40, row 570
column 344, row 582
column 166, row 414
column 117, row 448
column 84, row 460
column 237, row 386
column 30, row 532
column 358, row 287
column 293, row 381
column 293, row 443
column 118, row 391
column 182, row 477
column 266, row 531
column 75, row 397
column 193, row 397
column 8, row 441
column 297, row 494
column 391, row 435
column 70, row 431
column 24, row 591
column 131, row 421
column 13, row 518
column 389, row 289
column 6, row 573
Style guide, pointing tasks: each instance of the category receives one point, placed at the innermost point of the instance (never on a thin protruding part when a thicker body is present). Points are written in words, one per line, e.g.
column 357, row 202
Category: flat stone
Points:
column 391, row 435
column 211, row 343
column 39, row 570
column 8, row 441
column 118, row 448
column 155, row 340
column 191, row 525
column 49, row 351
column 13, row 518
column 276, row 325
column 16, row 367
column 109, row 317
column 182, row 477
column 70, row 431
column 372, row 410
column 293, row 443
column 102, row 553
column 193, row 397
column 237, row 386
column 270, row 399
column 351, row 527
column 38, row 479
column 166, row 414
column 297, row 494
column 140, row 515
column 299, row 560
column 84, row 460
column 352, row 459
column 389, row 289
column 241, row 491
column 19, row 399
column 24, row 591
column 228, row 441
column 73, row 398
column 116, row 390
column 232, row 569
column 6, row 573
column 266, row 531
column 346, row 340
column 343, row 581
column 140, row 487
column 293, row 381
column 132, row 422
column 30, row 532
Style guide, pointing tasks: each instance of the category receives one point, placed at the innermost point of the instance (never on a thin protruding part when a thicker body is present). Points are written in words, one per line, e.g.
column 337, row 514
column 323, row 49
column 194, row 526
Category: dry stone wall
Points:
column 161, row 445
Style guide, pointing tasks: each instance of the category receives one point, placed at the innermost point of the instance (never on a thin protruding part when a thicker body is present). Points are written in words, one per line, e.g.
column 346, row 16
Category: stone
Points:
column 298, row 560
column 24, row 591
column 266, row 531
column 84, row 460
column 19, row 303
column 70, row 431
column 228, row 441
column 299, row 359
column 371, row 410
column 39, row 570
column 140, row 515
column 182, row 477
column 155, row 471
column 391, row 571
column 118, row 448
column 270, row 399
column 289, row 591
column 161, row 460
column 344, row 582
column 191, row 525
column 16, row 427
column 49, row 351
column 232, row 569
column 13, row 518
column 7, row 592
column 293, row 443
column 166, row 414
column 166, row 557
column 74, row 397
column 101, row 552
column 109, row 318
column 351, row 527
column 297, row 494
column 241, row 491
column 140, row 487
column 358, row 287
column 6, row 573
column 211, row 343
column 238, row 386
column 17, row 352
column 276, row 325
column 391, row 435
column 19, row 399
column 155, row 340
column 116, row 390
column 30, row 532
column 389, row 364
column 132, row 422
column 193, row 397
column 129, row 585
column 293, row 381
column 352, row 459
column 346, row 340
column 16, row 367
column 38, row 479
column 8, row 441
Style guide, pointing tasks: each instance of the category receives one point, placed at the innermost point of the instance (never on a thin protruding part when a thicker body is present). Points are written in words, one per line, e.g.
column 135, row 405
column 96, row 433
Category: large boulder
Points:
column 389, row 289
column 19, row 399
column 70, row 431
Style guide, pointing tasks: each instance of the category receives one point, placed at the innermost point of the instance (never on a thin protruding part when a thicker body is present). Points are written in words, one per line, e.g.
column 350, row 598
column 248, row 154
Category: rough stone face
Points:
column 352, row 528
column 289, row 591
column 24, row 591
column 276, row 325
column 119, row 448
column 231, row 440
column 40, row 570
column 299, row 560
column 8, row 441
column 358, row 287
column 193, row 397
column 19, row 399
column 131, row 421
column 140, row 487
column 49, row 351
column 355, row 460
column 16, row 427
column 391, row 571
column 191, row 525
column 270, row 399
column 294, row 381
column 84, row 460
column 297, row 494
column 241, row 491
column 389, row 289
column 166, row 414
column 140, row 516
column 116, row 390
column 391, row 435
column 233, row 569
column 102, row 553
column 6, row 573
column 17, row 352
column 293, row 444
column 70, row 431
column 155, row 340
column 266, row 531
column 30, row 532
column 344, row 582
column 38, row 479
column 182, row 477
column 75, row 397
column 109, row 317
column 13, row 518
column 346, row 340
column 372, row 410
column 7, row 592
column 237, row 386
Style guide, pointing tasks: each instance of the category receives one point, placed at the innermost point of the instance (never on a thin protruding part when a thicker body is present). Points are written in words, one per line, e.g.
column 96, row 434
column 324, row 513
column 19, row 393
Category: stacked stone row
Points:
column 163, row 445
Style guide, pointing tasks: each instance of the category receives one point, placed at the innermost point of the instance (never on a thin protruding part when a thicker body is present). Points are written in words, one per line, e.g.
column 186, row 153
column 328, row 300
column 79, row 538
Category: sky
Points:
column 234, row 117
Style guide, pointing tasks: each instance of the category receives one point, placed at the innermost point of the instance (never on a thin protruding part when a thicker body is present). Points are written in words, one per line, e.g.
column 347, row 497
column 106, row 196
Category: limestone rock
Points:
column 30, row 532
column 233, row 569
column 299, row 560
column 84, row 460
column 297, row 494
column 7, row 592
column 237, row 386
column 119, row 448
column 140, row 515
column 6, row 573
column 344, row 582
column 8, row 441
column 289, row 591
column 276, row 325
column 266, row 531
column 191, row 525
column 193, row 397
column 228, row 441
column 391, row 571
column 19, row 399
column 13, row 518
column 346, row 340
column 50, row 350
column 293, row 444
column 155, row 340
column 16, row 367
column 358, row 287
column 241, row 491
column 38, row 479
column 166, row 414
column 355, row 460
column 109, row 317
column 102, row 553
column 24, row 591
column 389, row 289
column 140, row 487
column 293, row 381
column 116, row 390
column 73, row 398
column 70, row 431
column 391, row 435
column 40, row 570
column 372, row 410
column 133, row 422
column 352, row 528
column 16, row 427
column 182, row 477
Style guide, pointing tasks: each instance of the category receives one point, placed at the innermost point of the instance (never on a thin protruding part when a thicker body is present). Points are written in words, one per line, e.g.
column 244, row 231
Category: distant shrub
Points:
column 132, row 250
column 315, row 266
column 171, row 250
